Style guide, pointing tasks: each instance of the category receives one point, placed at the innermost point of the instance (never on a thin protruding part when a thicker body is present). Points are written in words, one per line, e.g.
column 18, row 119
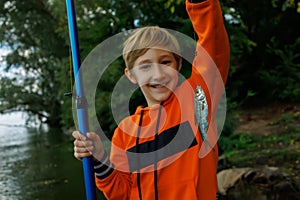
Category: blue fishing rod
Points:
column 80, row 101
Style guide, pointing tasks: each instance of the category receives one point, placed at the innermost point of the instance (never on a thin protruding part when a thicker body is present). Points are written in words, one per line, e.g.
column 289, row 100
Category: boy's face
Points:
column 156, row 72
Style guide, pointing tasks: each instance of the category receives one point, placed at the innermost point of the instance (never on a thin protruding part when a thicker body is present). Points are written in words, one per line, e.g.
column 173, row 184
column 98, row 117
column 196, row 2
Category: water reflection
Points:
column 38, row 164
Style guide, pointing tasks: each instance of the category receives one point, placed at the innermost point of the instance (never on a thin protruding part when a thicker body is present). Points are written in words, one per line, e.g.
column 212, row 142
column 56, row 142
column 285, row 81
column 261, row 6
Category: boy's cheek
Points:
column 142, row 84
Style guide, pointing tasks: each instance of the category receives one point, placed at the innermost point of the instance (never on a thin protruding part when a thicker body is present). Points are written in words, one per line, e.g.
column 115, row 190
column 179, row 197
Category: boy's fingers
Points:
column 83, row 149
column 75, row 134
column 82, row 146
column 78, row 135
column 83, row 152
column 92, row 136
column 80, row 143
column 79, row 156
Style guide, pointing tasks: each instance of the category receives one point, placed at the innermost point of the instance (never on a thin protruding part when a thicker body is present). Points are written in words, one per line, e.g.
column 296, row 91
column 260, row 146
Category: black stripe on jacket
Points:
column 170, row 142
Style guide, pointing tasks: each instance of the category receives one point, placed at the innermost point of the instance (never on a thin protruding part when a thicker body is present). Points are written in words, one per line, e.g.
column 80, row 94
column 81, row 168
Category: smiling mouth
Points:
column 158, row 85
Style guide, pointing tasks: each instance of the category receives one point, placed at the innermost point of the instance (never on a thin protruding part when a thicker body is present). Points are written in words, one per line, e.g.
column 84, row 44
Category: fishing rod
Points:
column 80, row 101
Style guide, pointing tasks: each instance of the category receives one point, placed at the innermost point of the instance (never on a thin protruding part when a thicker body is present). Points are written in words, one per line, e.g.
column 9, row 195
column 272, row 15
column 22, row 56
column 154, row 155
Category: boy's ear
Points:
column 130, row 76
column 179, row 64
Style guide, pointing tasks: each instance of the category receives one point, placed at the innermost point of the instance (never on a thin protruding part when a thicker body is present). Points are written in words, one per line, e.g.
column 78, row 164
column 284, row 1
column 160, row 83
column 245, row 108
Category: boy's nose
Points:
column 158, row 72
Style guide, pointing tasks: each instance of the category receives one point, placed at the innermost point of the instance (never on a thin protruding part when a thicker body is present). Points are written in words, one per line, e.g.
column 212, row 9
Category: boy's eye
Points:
column 165, row 62
column 146, row 66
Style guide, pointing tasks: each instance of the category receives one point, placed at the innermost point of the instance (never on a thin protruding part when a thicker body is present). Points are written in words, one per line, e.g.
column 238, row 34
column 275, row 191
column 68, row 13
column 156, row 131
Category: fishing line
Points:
column 71, row 67
column 194, row 35
column 13, row 125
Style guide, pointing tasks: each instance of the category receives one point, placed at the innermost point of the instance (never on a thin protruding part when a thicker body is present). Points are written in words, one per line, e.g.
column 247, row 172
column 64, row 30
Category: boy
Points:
column 155, row 152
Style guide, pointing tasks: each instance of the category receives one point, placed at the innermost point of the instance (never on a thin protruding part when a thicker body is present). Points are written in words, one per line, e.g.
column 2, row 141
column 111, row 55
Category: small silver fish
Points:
column 201, row 114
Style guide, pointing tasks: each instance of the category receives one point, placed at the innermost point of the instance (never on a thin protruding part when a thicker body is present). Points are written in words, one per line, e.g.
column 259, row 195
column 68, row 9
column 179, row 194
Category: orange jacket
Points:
column 158, row 152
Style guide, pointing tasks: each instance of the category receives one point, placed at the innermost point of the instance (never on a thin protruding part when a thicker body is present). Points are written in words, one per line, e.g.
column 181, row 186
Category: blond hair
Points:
column 142, row 39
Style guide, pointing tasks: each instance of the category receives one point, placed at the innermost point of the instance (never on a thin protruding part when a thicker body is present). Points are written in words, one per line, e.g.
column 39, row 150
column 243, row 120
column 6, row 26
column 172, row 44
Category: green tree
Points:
column 29, row 29
column 258, row 31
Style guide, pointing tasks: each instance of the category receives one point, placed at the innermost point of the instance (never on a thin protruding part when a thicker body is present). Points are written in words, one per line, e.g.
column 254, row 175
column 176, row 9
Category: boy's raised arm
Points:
column 207, row 20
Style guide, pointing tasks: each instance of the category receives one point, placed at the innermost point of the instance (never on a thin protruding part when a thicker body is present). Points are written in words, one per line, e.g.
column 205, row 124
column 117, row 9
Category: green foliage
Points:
column 285, row 74
column 236, row 141
column 247, row 149
column 29, row 29
column 244, row 150
column 255, row 29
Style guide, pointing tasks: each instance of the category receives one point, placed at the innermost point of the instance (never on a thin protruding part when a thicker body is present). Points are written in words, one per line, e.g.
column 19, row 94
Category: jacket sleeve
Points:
column 207, row 20
column 112, row 175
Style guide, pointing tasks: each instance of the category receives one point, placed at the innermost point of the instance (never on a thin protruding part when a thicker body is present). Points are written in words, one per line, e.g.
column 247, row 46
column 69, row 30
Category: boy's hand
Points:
column 85, row 146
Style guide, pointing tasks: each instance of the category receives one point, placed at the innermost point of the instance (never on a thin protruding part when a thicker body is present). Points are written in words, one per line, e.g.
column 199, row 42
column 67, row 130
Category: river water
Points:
column 37, row 164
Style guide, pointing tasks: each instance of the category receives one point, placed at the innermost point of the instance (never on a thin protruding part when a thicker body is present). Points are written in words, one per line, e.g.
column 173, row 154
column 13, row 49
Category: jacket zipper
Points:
column 155, row 160
column 156, row 148
column 137, row 151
